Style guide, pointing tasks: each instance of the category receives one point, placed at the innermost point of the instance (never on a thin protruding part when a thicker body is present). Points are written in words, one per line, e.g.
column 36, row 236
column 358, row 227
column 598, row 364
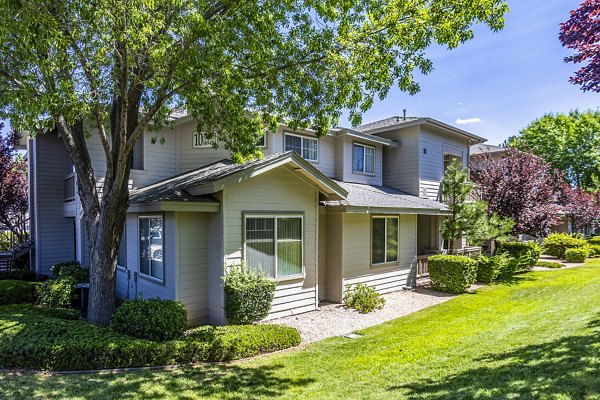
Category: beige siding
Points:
column 431, row 164
column 334, row 257
column 357, row 254
column 322, row 265
column 271, row 192
column 192, row 290
column 401, row 164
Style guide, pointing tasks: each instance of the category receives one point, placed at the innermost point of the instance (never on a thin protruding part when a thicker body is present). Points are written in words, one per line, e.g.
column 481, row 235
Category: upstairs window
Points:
column 262, row 141
column 363, row 159
column 384, row 240
column 306, row 147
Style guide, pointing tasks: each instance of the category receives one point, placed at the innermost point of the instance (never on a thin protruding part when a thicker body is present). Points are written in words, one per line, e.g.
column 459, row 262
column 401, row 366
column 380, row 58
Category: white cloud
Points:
column 468, row 121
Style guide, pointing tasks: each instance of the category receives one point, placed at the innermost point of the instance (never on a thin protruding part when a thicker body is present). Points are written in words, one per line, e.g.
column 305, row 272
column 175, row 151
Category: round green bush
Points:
column 576, row 255
column 152, row 319
column 56, row 293
column 524, row 254
column 556, row 244
column 33, row 338
column 490, row 268
column 18, row 275
column 363, row 298
column 452, row 274
column 594, row 250
column 595, row 240
column 16, row 292
column 73, row 270
column 248, row 295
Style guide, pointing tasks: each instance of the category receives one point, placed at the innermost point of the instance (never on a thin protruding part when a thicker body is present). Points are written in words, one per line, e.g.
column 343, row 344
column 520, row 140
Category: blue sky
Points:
column 503, row 80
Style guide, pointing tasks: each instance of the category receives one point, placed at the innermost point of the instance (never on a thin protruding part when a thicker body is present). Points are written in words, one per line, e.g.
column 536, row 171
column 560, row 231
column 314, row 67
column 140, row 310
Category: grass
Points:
column 549, row 264
column 536, row 337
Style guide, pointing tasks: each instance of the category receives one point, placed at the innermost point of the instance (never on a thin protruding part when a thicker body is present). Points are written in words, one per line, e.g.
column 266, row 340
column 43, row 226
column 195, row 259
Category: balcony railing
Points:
column 423, row 260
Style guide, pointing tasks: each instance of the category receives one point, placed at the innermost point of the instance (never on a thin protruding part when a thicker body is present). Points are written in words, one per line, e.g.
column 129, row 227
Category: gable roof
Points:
column 384, row 199
column 396, row 122
column 213, row 177
column 486, row 148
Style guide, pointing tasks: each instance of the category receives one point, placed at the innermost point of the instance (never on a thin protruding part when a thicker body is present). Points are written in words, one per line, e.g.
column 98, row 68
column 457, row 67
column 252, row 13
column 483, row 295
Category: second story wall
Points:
column 436, row 150
column 401, row 164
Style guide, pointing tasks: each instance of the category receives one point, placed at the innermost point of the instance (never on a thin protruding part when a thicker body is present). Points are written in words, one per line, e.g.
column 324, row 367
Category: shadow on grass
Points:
column 222, row 381
column 567, row 368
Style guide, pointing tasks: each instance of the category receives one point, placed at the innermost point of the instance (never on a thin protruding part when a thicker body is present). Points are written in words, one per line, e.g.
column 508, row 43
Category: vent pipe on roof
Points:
column 404, row 114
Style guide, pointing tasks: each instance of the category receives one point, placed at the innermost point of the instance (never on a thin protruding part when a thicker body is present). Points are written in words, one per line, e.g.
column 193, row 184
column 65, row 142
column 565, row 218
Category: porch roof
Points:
column 384, row 199
column 196, row 185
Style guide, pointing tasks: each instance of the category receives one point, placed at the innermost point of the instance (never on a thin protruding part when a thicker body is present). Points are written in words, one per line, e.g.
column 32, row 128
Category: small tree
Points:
column 467, row 218
column 13, row 188
column 520, row 186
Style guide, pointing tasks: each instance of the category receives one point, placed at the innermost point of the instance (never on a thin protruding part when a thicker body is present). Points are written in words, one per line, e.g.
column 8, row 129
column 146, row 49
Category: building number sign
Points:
column 200, row 141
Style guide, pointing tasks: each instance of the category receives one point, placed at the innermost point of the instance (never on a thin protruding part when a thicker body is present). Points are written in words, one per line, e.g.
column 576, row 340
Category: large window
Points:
column 306, row 147
column 151, row 247
column 274, row 244
column 363, row 159
column 384, row 240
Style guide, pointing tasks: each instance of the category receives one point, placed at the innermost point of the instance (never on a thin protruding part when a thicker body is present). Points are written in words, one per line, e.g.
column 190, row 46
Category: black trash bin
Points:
column 84, row 293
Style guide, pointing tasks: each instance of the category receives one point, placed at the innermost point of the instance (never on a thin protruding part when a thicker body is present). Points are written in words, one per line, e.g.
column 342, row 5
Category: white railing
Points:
column 422, row 266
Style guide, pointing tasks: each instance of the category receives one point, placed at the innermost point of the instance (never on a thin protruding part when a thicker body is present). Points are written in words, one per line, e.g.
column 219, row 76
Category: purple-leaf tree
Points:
column 13, row 188
column 582, row 208
column 581, row 33
column 519, row 186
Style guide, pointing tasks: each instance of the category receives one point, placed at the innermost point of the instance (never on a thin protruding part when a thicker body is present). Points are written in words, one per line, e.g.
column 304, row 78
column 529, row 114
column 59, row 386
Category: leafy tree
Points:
column 581, row 33
column 468, row 218
column 519, row 186
column 582, row 208
column 116, row 68
column 13, row 189
column 570, row 143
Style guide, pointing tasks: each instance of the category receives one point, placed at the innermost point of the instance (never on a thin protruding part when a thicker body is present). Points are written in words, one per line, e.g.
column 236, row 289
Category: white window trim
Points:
column 364, row 146
column 266, row 145
column 275, row 216
column 379, row 264
column 303, row 137
column 141, row 274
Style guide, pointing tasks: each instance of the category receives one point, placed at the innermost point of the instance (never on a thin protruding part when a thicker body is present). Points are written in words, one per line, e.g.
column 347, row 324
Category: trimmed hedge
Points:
column 16, row 292
column 73, row 270
column 248, row 295
column 576, row 255
column 452, row 274
column 363, row 298
column 594, row 250
column 490, row 268
column 594, row 240
column 556, row 244
column 18, row 275
column 56, row 293
column 240, row 341
column 524, row 255
column 29, row 338
column 152, row 319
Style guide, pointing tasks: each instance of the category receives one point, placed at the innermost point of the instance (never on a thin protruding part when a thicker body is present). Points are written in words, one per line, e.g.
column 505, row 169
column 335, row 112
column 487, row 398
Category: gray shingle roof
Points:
column 395, row 120
column 174, row 188
column 486, row 148
column 360, row 195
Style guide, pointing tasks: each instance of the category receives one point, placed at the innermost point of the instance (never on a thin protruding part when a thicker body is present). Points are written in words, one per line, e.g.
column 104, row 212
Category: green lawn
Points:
column 536, row 338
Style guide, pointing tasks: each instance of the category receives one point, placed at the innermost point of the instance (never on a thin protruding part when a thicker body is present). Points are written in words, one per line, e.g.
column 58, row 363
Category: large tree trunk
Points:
column 104, row 254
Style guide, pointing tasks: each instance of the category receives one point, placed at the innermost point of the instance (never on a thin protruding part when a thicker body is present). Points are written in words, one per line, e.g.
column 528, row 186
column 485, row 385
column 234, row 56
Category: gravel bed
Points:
column 336, row 320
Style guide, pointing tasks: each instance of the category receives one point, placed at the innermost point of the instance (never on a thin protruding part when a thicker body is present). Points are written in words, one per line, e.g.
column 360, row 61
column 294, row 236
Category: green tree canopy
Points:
column 570, row 143
column 114, row 68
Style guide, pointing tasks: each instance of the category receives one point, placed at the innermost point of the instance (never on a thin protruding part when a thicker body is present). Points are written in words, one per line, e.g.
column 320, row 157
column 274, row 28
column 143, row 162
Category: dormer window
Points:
column 363, row 159
column 306, row 147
